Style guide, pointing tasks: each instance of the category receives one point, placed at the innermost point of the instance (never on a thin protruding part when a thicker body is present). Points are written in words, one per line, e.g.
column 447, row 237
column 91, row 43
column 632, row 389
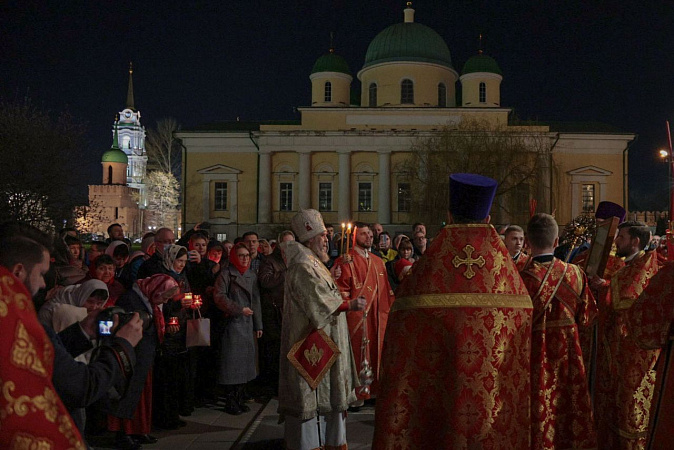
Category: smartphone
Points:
column 193, row 255
column 105, row 327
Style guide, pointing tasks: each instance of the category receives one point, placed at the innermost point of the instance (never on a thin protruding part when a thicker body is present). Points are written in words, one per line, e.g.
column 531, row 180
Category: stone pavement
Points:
column 211, row 428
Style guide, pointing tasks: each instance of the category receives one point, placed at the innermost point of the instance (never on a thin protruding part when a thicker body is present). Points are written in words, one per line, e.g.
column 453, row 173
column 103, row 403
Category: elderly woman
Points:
column 72, row 304
column 131, row 418
column 238, row 297
column 103, row 268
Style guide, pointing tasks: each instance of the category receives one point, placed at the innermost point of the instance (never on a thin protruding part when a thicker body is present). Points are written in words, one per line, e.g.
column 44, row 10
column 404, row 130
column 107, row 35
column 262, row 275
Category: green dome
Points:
column 115, row 155
column 331, row 63
column 408, row 41
column 481, row 63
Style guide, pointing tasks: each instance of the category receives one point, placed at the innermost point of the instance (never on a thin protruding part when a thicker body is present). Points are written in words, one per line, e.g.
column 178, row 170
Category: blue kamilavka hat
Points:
column 606, row 210
column 471, row 195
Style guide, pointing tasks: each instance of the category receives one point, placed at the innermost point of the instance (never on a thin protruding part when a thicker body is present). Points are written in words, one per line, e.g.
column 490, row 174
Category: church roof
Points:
column 408, row 41
column 115, row 154
column 330, row 62
column 481, row 63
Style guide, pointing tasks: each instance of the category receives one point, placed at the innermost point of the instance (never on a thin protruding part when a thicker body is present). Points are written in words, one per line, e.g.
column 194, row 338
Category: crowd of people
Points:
column 495, row 340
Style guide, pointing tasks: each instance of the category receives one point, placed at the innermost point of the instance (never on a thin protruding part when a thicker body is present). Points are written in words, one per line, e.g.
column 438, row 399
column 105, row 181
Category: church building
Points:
column 343, row 158
column 121, row 197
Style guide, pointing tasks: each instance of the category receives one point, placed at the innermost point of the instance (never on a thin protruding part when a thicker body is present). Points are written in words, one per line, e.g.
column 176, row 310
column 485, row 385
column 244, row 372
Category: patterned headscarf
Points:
column 170, row 255
column 153, row 288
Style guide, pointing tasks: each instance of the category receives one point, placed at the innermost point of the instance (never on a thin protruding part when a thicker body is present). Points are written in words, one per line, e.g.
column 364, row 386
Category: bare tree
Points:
column 513, row 156
column 163, row 150
column 39, row 152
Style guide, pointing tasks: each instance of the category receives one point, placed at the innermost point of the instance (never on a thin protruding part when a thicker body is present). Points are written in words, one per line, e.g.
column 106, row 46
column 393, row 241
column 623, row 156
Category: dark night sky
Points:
column 201, row 62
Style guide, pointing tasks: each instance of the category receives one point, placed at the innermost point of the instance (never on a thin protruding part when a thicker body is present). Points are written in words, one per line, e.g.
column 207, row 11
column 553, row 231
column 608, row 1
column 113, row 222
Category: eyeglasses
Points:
column 243, row 256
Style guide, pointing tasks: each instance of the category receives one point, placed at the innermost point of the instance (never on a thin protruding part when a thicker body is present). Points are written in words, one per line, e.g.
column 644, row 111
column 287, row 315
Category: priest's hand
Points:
column 597, row 282
column 247, row 311
column 357, row 304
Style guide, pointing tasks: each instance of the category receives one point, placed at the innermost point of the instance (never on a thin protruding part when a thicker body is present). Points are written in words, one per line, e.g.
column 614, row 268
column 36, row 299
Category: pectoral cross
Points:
column 468, row 261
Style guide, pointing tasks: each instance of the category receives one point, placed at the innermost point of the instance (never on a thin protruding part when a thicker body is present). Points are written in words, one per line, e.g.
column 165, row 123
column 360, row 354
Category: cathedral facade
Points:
column 343, row 158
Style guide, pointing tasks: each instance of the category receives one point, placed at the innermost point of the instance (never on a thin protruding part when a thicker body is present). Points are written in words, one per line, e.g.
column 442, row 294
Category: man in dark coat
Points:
column 162, row 239
column 272, row 277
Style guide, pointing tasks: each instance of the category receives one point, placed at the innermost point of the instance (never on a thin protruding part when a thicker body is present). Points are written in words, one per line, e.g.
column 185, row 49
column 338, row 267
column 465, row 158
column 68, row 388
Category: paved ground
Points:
column 211, row 428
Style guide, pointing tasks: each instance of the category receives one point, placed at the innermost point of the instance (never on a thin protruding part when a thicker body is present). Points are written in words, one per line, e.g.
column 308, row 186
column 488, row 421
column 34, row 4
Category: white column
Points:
column 575, row 199
column 384, row 208
column 305, row 180
column 264, row 195
column 344, row 205
column 207, row 199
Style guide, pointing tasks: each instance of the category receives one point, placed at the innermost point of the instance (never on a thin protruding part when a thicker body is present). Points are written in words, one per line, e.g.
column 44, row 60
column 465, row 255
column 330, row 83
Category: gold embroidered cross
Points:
column 468, row 261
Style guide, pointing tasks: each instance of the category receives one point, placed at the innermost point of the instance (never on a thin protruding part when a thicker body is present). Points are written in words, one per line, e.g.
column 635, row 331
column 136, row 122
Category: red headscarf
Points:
column 234, row 260
column 153, row 288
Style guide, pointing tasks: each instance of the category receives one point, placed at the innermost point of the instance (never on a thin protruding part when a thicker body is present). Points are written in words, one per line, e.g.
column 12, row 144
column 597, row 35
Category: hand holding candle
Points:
column 197, row 302
column 186, row 301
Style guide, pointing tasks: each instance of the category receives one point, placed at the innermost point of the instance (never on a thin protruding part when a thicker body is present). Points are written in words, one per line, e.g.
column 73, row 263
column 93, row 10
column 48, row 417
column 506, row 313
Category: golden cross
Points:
column 468, row 261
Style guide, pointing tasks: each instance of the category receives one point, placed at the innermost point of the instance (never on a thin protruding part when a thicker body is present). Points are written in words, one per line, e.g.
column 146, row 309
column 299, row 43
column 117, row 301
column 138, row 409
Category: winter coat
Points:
column 233, row 292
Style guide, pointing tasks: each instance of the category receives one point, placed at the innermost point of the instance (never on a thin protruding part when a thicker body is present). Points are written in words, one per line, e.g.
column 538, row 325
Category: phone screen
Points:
column 105, row 327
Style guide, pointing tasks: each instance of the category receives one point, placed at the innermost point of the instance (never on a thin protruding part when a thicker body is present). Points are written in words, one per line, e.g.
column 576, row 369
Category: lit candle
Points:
column 197, row 301
column 348, row 237
column 353, row 244
column 188, row 296
column 173, row 321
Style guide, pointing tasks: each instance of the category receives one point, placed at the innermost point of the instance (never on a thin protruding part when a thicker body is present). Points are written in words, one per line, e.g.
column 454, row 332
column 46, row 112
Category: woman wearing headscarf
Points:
column 119, row 251
column 174, row 389
column 103, row 268
column 131, row 418
column 72, row 304
column 238, row 297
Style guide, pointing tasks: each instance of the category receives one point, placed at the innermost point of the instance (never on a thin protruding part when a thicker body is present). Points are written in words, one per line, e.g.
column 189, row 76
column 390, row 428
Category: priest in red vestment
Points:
column 650, row 322
column 31, row 413
column 625, row 372
column 456, row 357
column 561, row 412
column 364, row 274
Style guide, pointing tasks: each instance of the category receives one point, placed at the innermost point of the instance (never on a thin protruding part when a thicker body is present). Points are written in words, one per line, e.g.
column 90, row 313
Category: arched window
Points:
column 109, row 174
column 483, row 93
column 407, row 92
column 328, row 92
column 373, row 95
column 442, row 95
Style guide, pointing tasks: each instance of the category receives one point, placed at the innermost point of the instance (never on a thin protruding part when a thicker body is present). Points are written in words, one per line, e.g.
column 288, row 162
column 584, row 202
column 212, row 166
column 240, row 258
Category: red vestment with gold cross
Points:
column 456, row 359
column 31, row 413
column 650, row 321
column 561, row 411
column 366, row 277
column 625, row 372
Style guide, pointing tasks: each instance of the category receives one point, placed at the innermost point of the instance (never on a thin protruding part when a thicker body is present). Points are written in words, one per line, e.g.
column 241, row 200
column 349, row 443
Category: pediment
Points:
column 590, row 170
column 219, row 169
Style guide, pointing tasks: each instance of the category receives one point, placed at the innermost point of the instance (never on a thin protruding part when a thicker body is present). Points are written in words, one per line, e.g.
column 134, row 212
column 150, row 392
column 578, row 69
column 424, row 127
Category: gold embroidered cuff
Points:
column 462, row 300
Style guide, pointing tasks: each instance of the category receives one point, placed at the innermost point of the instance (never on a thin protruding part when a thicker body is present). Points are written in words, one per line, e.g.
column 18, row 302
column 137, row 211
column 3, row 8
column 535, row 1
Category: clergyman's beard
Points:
column 621, row 253
column 316, row 245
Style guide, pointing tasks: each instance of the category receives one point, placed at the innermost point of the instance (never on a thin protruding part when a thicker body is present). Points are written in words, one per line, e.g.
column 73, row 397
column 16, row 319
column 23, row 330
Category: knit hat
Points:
column 307, row 223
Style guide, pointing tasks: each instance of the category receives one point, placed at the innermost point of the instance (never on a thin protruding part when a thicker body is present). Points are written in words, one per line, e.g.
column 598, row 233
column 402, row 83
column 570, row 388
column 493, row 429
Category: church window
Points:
column 325, row 196
column 373, row 94
column 328, row 91
column 407, row 92
column 404, row 197
column 116, row 212
column 588, row 198
column 364, row 196
column 286, row 200
column 221, row 196
column 109, row 174
column 442, row 95
column 483, row 93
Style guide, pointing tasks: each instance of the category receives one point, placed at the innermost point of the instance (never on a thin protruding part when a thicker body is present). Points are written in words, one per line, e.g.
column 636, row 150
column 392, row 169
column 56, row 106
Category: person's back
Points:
column 455, row 365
